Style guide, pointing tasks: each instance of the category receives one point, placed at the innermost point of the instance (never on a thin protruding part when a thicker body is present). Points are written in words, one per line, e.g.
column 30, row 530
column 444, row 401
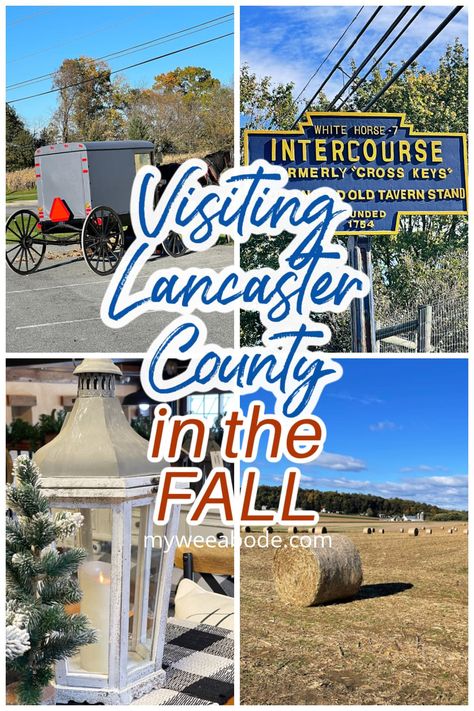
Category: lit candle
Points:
column 94, row 581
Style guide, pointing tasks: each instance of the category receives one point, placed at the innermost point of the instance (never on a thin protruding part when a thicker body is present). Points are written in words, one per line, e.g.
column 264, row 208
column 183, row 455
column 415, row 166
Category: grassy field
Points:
column 21, row 195
column 403, row 640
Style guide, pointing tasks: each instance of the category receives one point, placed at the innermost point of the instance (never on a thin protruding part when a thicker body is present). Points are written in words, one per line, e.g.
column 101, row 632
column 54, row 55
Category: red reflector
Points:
column 59, row 211
column 85, row 170
column 84, row 160
column 37, row 165
column 37, row 175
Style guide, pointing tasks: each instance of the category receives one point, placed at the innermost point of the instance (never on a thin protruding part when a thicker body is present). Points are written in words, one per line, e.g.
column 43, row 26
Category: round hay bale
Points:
column 428, row 531
column 292, row 529
column 306, row 576
column 442, row 528
column 245, row 529
column 319, row 530
column 455, row 530
column 465, row 530
column 367, row 530
column 381, row 530
column 412, row 531
column 450, row 530
column 268, row 529
column 402, row 530
column 423, row 528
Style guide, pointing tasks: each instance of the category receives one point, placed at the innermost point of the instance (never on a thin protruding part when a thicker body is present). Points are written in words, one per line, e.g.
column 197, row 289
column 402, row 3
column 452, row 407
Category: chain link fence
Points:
column 441, row 327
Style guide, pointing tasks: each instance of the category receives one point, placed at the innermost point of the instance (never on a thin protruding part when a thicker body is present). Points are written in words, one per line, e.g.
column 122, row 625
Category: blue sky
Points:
column 288, row 43
column 57, row 33
column 395, row 427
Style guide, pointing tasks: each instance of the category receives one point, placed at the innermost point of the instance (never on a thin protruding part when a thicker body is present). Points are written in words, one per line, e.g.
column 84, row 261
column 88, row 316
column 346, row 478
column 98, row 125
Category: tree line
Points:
column 186, row 111
column 355, row 504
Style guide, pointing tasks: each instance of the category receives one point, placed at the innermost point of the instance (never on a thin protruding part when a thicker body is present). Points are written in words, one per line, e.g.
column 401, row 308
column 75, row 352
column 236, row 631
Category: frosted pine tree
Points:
column 41, row 582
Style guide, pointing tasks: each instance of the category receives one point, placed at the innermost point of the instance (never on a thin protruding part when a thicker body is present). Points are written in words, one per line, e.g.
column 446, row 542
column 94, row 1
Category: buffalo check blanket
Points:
column 199, row 663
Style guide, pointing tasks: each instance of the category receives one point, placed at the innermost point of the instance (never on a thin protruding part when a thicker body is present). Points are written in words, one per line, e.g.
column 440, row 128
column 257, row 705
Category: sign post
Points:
column 381, row 167
column 362, row 310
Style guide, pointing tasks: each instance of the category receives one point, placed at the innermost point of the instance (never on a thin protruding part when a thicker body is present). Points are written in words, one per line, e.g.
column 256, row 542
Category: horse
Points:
column 217, row 163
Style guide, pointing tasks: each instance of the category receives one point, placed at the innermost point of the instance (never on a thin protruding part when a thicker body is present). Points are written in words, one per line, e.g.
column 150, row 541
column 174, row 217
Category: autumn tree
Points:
column 265, row 104
column 138, row 129
column 90, row 104
column 192, row 82
column 188, row 111
column 20, row 142
column 426, row 261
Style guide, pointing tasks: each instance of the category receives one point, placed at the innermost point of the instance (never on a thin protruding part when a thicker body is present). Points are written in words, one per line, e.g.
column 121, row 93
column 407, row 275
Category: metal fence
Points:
column 441, row 327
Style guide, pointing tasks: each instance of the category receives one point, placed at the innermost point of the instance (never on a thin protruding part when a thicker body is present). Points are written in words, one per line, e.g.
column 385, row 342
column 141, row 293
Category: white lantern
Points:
column 97, row 466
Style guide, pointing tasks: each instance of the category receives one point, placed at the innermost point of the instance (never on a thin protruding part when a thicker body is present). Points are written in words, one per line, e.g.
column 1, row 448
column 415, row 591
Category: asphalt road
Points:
column 57, row 308
column 14, row 206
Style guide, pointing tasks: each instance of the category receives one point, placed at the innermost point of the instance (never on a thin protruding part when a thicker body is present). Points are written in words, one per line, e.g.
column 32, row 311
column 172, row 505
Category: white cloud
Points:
column 339, row 462
column 444, row 491
column 344, row 483
column 359, row 399
column 383, row 426
column 424, row 468
column 288, row 43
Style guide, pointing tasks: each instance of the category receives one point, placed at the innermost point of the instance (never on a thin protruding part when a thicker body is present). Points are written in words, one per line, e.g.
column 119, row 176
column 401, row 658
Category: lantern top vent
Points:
column 97, row 365
column 97, row 378
column 96, row 440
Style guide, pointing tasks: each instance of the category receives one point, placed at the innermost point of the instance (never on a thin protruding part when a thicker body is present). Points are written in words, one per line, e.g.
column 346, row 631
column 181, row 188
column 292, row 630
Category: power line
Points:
column 123, row 69
column 369, row 56
column 414, row 56
column 329, row 53
column 67, row 43
column 25, row 18
column 353, row 43
column 135, row 48
column 384, row 54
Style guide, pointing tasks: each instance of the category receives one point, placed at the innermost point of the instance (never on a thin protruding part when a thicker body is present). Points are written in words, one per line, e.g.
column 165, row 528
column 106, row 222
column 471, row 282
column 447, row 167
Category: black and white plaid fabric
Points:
column 199, row 662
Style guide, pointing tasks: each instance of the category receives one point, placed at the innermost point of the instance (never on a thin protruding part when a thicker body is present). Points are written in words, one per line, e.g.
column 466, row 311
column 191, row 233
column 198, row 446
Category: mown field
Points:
column 403, row 640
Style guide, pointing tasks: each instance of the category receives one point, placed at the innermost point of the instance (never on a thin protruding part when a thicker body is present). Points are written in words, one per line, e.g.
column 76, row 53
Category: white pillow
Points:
column 194, row 603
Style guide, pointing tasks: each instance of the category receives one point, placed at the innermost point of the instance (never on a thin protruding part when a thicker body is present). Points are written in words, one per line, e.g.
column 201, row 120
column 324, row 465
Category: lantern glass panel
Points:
column 145, row 566
column 95, row 579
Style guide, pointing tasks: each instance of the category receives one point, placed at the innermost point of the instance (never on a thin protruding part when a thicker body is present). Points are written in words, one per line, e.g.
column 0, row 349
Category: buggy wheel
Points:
column 24, row 251
column 102, row 240
column 174, row 245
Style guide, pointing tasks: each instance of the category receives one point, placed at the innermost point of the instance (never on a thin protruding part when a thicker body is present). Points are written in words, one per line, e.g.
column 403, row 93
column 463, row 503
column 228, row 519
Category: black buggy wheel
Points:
column 102, row 240
column 24, row 252
column 174, row 245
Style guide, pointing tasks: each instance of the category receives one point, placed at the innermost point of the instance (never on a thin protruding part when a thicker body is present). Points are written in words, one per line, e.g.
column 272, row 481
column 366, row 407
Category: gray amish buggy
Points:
column 83, row 198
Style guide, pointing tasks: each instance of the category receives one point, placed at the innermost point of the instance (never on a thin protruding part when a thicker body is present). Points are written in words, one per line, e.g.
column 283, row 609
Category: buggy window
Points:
column 142, row 159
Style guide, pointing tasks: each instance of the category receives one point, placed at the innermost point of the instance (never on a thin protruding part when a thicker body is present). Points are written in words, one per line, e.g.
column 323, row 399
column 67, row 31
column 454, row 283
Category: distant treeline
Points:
column 185, row 111
column 363, row 504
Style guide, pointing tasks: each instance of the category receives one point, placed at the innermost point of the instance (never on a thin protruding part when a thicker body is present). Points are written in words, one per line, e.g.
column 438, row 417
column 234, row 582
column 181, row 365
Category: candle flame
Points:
column 103, row 579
